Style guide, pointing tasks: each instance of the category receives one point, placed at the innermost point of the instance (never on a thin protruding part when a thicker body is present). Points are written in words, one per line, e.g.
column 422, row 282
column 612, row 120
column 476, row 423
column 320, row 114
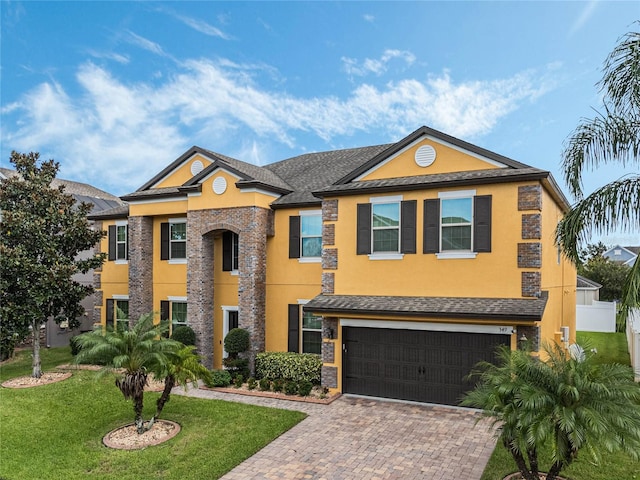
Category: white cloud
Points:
column 122, row 59
column 117, row 134
column 145, row 43
column 202, row 27
column 585, row 14
column 376, row 66
column 369, row 18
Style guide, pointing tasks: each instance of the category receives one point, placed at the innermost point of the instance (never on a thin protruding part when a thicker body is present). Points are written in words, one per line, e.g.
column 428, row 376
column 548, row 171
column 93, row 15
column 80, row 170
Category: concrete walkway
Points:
column 362, row 438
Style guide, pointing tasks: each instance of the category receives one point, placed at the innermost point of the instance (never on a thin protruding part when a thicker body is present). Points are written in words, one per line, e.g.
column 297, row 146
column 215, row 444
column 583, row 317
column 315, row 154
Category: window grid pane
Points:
column 179, row 313
column 311, row 235
column 386, row 215
column 456, row 238
column 386, row 240
column 311, row 333
column 122, row 315
column 178, row 242
column 456, row 220
column 312, row 247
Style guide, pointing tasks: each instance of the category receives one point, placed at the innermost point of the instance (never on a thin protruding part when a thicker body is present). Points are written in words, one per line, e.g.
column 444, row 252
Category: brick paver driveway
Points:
column 361, row 438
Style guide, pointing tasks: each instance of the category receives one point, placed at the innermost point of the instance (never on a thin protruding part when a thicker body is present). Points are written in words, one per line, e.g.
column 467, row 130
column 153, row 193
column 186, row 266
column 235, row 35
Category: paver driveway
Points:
column 361, row 438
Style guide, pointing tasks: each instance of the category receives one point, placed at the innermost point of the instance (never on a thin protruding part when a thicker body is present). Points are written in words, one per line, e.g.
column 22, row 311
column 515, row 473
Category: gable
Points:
column 182, row 172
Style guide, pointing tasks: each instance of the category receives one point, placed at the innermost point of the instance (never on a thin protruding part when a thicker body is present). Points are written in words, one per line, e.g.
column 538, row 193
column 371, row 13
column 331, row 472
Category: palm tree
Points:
column 611, row 137
column 566, row 403
column 138, row 351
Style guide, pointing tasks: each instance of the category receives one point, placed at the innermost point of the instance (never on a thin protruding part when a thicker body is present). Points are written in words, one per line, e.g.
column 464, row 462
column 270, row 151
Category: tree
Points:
column 565, row 403
column 42, row 232
column 613, row 136
column 611, row 275
column 140, row 351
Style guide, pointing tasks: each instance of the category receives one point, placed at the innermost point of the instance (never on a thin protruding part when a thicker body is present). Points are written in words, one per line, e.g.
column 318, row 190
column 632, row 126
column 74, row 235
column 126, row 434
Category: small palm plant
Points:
column 565, row 402
column 138, row 351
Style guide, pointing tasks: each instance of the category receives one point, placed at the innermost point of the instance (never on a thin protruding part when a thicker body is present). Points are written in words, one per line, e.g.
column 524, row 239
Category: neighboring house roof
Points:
column 434, row 307
column 82, row 192
column 585, row 283
column 626, row 255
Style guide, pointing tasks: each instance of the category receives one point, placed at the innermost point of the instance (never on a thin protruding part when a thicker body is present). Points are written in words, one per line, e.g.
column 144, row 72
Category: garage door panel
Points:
column 425, row 366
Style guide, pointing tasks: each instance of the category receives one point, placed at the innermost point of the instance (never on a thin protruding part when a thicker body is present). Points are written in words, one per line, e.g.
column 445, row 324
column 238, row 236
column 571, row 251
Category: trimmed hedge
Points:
column 236, row 341
column 184, row 334
column 220, row 378
column 296, row 367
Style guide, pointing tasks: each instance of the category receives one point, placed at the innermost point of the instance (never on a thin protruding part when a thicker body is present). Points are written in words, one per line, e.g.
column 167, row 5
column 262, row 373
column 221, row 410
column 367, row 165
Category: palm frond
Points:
column 621, row 80
column 616, row 206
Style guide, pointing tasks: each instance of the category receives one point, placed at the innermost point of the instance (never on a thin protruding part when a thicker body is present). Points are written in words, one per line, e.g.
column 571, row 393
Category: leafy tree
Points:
column 42, row 232
column 140, row 351
column 611, row 275
column 566, row 403
column 613, row 136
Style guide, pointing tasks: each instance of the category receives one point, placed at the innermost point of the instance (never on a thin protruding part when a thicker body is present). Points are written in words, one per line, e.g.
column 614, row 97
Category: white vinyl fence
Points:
column 597, row 317
column 633, row 339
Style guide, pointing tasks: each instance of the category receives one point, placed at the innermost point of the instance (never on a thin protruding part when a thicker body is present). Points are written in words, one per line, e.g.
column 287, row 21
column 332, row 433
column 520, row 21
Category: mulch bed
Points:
column 277, row 395
column 28, row 381
column 127, row 437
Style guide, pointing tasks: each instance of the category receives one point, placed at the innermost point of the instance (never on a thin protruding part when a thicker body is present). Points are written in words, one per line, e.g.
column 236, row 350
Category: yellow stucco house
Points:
column 402, row 264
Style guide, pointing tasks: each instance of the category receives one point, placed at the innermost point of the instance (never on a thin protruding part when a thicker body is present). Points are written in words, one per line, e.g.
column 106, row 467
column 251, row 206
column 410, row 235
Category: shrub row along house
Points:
column 401, row 264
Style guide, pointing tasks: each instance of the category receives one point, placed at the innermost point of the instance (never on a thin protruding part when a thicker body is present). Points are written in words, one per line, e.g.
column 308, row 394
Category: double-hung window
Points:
column 305, row 330
column 305, row 236
column 173, row 240
column 386, row 228
column 175, row 310
column 118, row 242
column 117, row 314
column 456, row 220
column 230, row 251
column 385, row 225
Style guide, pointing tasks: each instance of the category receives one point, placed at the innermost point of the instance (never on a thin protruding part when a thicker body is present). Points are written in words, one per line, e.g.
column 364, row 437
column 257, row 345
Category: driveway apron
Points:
column 362, row 438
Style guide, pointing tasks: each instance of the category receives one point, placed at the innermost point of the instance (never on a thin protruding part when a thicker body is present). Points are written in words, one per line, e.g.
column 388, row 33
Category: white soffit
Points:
column 429, row 326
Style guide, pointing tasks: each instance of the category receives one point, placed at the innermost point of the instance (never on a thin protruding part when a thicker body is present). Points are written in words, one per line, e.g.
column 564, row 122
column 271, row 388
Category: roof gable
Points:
column 190, row 163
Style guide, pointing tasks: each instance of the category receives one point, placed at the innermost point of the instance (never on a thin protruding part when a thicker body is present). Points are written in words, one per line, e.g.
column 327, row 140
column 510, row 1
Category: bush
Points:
column 237, row 366
column 290, row 387
column 264, row 384
column 278, row 384
column 75, row 345
column 304, row 388
column 219, row 378
column 236, row 341
column 296, row 367
column 184, row 334
column 238, row 380
column 251, row 383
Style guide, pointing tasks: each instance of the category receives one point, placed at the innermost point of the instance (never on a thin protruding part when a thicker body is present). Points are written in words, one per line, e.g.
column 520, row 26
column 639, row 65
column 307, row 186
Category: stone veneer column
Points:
column 253, row 225
column 330, row 325
column 140, row 267
column 530, row 253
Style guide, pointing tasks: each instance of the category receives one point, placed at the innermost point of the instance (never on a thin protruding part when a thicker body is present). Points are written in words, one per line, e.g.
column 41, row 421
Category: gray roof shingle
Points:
column 522, row 309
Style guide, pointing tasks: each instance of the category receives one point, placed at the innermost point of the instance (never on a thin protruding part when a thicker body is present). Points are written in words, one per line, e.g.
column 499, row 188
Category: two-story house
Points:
column 402, row 264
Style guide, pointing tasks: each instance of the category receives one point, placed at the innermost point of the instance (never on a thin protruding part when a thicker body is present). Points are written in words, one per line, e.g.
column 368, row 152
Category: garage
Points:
column 418, row 365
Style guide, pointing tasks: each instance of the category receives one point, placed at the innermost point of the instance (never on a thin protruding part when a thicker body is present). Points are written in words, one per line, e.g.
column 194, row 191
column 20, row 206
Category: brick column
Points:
column 140, row 267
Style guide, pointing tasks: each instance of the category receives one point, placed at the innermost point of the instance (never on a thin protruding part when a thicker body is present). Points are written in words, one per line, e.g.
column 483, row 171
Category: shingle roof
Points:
column 432, row 307
column 82, row 192
column 313, row 171
column 584, row 282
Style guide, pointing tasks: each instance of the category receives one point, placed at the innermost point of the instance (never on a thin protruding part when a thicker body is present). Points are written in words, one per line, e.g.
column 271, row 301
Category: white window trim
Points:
column 177, row 299
column 456, row 254
column 225, row 324
column 122, row 223
column 387, row 255
column 309, row 213
column 429, row 326
column 301, row 329
column 176, row 261
column 120, row 297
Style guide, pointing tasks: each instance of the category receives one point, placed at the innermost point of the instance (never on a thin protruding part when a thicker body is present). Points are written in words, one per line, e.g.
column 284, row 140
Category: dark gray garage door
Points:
column 423, row 366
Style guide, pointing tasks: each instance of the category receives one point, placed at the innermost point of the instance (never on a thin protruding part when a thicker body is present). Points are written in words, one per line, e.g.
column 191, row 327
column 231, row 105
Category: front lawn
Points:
column 55, row 431
column 612, row 348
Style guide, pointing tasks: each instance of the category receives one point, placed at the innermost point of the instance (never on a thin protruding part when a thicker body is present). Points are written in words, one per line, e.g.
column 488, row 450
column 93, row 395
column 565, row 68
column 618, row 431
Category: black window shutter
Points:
column 164, row 310
column 431, row 238
column 112, row 242
column 294, row 236
column 482, row 223
column 164, row 241
column 111, row 304
column 408, row 227
column 294, row 327
column 363, row 241
column 227, row 251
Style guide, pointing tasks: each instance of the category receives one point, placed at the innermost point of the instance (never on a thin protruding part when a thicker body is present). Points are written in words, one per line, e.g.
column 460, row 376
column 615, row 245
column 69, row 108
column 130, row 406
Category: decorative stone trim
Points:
column 531, row 226
column 531, row 284
column 532, row 335
column 330, row 210
column 329, row 258
column 328, row 234
column 328, row 352
column 140, row 267
column 530, row 255
column 329, row 377
column 530, row 197
column 328, row 282
column 97, row 280
column 329, row 324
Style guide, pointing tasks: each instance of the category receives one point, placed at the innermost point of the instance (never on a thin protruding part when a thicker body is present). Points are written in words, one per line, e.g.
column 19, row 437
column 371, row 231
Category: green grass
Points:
column 612, row 348
column 55, row 431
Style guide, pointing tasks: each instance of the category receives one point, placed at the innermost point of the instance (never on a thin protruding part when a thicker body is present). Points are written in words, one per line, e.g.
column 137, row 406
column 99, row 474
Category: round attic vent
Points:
column 219, row 185
column 425, row 156
column 196, row 167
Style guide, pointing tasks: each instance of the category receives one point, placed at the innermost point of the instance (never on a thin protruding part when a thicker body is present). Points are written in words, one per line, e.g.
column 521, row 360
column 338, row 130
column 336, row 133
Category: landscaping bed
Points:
column 317, row 394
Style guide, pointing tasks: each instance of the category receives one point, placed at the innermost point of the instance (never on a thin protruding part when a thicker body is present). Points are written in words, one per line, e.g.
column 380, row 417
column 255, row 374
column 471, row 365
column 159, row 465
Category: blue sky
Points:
column 115, row 91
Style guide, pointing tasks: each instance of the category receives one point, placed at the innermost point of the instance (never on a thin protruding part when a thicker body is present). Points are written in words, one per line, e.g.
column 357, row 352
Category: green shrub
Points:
column 75, row 345
column 296, row 367
column 278, row 384
column 251, row 383
column 237, row 366
column 238, row 380
column 290, row 387
column 264, row 384
column 304, row 388
column 219, row 378
column 236, row 341
column 184, row 334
